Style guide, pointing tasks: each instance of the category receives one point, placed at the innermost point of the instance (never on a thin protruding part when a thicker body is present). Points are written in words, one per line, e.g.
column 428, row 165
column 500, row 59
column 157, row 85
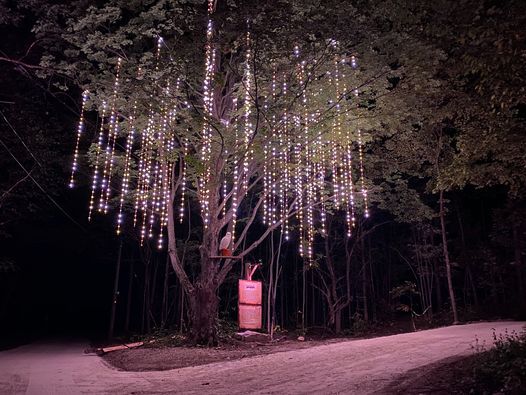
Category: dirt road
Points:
column 356, row 366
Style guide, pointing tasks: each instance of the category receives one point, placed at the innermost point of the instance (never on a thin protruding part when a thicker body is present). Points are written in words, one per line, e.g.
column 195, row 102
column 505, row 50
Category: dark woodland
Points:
column 443, row 111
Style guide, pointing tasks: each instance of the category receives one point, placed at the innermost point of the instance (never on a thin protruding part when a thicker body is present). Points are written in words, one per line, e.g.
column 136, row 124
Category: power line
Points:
column 41, row 188
column 20, row 138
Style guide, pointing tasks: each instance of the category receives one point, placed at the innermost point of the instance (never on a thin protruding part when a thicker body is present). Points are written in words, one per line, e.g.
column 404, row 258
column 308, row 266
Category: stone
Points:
column 252, row 336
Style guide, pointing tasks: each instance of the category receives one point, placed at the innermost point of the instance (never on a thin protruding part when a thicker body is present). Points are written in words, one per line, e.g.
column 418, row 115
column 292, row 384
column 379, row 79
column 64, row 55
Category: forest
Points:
column 370, row 155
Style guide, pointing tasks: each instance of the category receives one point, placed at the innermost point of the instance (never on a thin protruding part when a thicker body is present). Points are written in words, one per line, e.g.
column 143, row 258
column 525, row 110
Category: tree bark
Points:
column 446, row 259
column 203, row 314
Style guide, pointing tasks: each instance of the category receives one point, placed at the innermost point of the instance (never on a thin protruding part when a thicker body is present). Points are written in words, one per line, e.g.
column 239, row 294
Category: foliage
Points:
column 501, row 369
column 402, row 292
column 448, row 69
column 160, row 338
column 34, row 134
column 8, row 266
column 226, row 328
column 359, row 325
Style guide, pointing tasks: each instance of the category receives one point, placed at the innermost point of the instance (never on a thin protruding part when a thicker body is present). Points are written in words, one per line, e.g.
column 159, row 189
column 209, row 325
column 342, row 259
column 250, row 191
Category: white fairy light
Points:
column 208, row 104
column 286, row 165
column 362, row 176
column 247, row 80
column 304, row 163
column 183, row 180
column 127, row 160
column 100, row 143
column 353, row 62
column 80, row 130
column 110, row 146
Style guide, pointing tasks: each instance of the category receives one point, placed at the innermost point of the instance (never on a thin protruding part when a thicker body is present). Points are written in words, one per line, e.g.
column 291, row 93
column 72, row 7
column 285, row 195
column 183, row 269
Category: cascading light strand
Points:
column 164, row 146
column 158, row 149
column 266, row 186
column 127, row 165
column 347, row 181
column 147, row 197
column 276, row 143
column 224, row 192
column 96, row 170
column 351, row 217
column 140, row 177
column 110, row 147
column 308, row 161
column 235, row 175
column 286, row 165
column 362, row 175
column 208, row 105
column 80, row 130
column 307, row 156
column 147, row 170
column 248, row 111
column 183, row 180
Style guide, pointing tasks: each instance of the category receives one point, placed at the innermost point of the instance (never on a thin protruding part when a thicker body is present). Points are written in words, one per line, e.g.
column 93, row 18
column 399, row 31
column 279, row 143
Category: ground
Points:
column 376, row 365
column 440, row 378
column 165, row 358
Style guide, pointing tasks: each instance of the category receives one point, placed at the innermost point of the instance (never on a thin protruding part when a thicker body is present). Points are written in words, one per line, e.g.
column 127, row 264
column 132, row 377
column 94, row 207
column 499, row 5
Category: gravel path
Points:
column 356, row 366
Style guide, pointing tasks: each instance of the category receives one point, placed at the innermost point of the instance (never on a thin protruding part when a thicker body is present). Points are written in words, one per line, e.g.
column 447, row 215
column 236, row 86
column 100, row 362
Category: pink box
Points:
column 249, row 316
column 250, row 292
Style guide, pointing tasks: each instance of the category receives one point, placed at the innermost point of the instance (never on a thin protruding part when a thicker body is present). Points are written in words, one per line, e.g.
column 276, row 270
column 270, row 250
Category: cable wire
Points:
column 41, row 188
column 20, row 138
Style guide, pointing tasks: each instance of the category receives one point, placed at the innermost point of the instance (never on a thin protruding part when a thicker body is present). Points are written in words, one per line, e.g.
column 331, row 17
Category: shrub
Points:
column 501, row 369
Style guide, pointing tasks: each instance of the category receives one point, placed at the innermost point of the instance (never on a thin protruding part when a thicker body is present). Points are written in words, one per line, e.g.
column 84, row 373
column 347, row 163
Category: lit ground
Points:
column 356, row 366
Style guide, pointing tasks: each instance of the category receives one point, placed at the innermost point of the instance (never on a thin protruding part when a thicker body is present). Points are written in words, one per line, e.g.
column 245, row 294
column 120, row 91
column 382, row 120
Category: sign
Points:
column 249, row 316
column 249, row 306
column 250, row 292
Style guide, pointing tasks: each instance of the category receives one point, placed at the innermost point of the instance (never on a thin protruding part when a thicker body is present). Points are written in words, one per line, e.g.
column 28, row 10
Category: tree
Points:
column 285, row 148
column 416, row 80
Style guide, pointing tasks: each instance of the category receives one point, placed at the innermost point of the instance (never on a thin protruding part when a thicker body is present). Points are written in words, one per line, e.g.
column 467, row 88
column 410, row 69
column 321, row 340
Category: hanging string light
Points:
column 98, row 152
column 208, row 104
column 80, row 130
column 362, row 176
column 127, row 165
column 183, row 179
column 109, row 157
column 307, row 160
column 235, row 175
column 247, row 81
column 286, row 165
column 164, row 147
column 347, row 184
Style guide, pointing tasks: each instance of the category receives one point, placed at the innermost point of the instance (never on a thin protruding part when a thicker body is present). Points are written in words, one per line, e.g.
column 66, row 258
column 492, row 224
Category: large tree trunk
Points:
column 201, row 294
column 203, row 314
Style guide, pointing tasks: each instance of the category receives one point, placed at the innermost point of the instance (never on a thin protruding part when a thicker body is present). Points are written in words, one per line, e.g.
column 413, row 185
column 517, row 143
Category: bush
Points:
column 501, row 369
column 359, row 325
